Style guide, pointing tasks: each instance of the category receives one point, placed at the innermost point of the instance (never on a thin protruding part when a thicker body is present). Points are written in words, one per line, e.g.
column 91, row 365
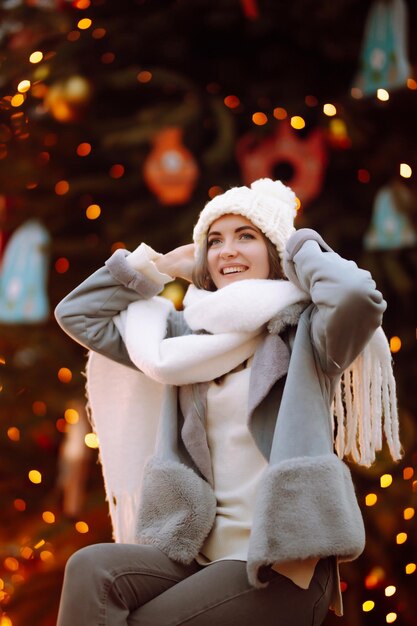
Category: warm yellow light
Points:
column 368, row 605
column 23, row 86
column 83, row 149
column 64, row 375
column 371, row 499
column 41, row 73
column 390, row 618
column 280, row 113
column 411, row 83
column 297, row 122
column 48, row 517
column 62, row 187
column 297, row 203
column 259, row 118
column 81, row 527
column 91, row 440
column 408, row 513
column 375, row 576
column 93, row 211
column 338, row 128
column 35, row 477
column 390, row 590
column 46, row 555
column 81, row 4
column 401, row 538
column 382, row 94
column 36, row 57
column 232, row 102
column 39, row 544
column 5, row 621
column 17, row 100
column 26, row 552
column 84, row 23
column 71, row 416
column 405, row 170
column 408, row 472
column 11, row 564
column 395, row 344
column 329, row 109
column 410, row 568
column 144, row 76
column 13, row 433
column 385, row 480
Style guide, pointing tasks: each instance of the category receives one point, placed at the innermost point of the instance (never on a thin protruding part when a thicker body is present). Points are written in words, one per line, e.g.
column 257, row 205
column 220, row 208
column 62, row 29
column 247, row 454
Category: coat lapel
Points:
column 192, row 403
column 270, row 363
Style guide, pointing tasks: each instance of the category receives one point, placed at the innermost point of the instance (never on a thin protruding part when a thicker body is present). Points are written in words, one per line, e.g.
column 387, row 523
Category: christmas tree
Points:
column 118, row 121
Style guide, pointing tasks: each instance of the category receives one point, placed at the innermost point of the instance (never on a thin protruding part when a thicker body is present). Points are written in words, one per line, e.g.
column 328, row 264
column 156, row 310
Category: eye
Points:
column 212, row 242
column 247, row 236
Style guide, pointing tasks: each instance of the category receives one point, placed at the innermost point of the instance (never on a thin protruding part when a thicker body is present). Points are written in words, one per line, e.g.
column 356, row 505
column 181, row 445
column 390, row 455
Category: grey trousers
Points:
column 131, row 585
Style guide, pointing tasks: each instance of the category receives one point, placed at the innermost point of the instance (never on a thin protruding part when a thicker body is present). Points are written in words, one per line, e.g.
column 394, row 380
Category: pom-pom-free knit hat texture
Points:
column 268, row 204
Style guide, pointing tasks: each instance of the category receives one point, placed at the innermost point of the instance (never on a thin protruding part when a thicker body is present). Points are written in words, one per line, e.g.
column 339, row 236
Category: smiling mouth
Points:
column 233, row 270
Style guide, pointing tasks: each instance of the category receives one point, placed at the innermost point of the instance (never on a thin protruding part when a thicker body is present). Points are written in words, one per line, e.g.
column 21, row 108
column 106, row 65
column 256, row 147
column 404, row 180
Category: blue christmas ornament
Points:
column 390, row 228
column 384, row 57
column 23, row 276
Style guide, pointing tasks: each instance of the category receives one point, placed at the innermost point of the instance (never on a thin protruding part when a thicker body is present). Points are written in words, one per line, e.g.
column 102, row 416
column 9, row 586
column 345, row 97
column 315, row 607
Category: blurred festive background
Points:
column 118, row 121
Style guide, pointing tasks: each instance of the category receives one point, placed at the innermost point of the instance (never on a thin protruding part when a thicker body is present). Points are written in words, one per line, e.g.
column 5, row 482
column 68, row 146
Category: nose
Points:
column 228, row 251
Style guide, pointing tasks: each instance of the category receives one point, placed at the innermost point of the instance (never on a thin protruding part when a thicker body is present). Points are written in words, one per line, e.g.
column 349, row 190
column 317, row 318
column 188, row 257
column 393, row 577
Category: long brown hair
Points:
column 201, row 275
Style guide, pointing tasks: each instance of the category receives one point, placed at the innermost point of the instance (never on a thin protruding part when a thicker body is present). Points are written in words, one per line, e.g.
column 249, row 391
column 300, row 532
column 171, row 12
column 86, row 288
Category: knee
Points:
column 83, row 561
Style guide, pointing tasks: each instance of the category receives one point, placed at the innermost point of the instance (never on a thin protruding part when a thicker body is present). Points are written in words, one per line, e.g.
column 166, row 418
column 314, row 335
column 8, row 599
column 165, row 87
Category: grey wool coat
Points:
column 306, row 504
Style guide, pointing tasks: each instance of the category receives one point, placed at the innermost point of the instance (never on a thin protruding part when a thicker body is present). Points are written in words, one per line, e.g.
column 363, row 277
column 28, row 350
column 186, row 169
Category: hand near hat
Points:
column 179, row 263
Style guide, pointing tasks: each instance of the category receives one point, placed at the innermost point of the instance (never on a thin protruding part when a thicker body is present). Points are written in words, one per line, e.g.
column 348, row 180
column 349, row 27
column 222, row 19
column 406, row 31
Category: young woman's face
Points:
column 236, row 250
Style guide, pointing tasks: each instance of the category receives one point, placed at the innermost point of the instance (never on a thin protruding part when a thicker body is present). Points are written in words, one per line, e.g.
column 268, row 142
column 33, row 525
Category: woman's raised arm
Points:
column 87, row 313
column 349, row 308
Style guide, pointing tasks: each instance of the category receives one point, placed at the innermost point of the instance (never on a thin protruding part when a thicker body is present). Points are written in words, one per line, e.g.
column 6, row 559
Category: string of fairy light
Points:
column 43, row 549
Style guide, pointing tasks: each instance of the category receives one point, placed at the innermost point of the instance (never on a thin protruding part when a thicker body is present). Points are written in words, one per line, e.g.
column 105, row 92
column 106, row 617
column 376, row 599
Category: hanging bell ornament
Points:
column 170, row 171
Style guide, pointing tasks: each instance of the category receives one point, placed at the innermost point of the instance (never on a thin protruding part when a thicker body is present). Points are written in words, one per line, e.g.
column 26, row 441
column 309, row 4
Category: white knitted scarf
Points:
column 228, row 325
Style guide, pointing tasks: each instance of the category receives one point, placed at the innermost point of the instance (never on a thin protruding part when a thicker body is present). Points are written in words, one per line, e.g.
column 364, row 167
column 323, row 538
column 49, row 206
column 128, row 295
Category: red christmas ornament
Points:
column 306, row 158
column 170, row 171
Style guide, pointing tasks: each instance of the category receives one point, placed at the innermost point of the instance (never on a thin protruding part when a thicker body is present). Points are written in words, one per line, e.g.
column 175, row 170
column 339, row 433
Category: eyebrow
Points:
column 237, row 230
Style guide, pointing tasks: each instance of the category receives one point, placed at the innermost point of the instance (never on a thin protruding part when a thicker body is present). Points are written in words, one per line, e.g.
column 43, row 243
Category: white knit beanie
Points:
column 268, row 204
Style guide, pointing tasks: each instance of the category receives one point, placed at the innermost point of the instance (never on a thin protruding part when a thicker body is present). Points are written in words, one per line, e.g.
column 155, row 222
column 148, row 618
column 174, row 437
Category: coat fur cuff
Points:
column 177, row 510
column 306, row 508
column 120, row 269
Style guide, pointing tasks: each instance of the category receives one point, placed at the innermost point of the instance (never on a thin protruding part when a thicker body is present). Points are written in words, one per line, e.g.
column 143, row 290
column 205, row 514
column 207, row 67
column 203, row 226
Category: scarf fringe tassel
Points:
column 365, row 405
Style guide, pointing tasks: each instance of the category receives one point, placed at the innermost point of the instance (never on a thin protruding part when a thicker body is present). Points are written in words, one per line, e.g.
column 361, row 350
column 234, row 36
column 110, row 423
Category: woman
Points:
column 243, row 510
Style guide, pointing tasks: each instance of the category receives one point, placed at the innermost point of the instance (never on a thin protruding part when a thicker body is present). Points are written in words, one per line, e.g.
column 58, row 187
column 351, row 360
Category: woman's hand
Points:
column 179, row 263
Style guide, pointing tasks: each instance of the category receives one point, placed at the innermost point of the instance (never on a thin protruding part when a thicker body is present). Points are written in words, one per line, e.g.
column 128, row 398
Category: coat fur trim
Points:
column 306, row 508
column 177, row 510
column 288, row 317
